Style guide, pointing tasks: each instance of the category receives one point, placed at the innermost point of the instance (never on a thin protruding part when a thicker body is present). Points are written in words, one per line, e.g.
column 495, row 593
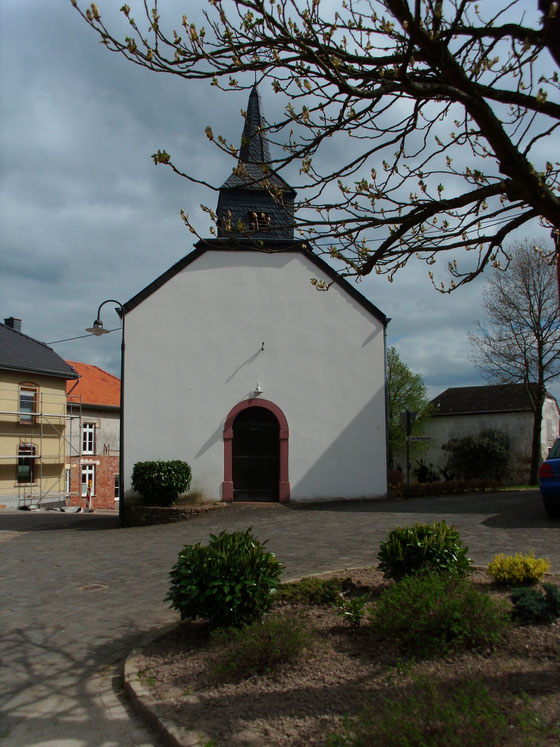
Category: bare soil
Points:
column 345, row 669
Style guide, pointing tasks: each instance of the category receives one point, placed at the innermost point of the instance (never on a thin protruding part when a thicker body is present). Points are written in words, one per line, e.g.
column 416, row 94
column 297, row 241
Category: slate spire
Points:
column 254, row 202
column 254, row 143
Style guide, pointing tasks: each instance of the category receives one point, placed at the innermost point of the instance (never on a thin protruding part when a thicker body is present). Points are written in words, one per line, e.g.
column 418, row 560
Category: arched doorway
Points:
column 256, row 453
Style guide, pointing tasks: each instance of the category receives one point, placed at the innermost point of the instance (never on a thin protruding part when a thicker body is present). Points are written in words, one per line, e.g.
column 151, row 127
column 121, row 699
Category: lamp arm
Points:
column 109, row 300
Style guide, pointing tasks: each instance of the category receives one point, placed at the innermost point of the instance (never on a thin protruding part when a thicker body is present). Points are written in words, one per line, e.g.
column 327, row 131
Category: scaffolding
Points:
column 48, row 438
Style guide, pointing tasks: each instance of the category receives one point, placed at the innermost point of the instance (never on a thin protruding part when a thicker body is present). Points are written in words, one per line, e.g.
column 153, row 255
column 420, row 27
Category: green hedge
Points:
column 160, row 483
column 450, row 487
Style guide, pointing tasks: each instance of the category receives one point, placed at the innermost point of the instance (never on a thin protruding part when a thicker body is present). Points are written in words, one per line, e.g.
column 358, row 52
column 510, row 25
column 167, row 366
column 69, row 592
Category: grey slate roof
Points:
column 468, row 400
column 253, row 187
column 254, row 153
column 18, row 352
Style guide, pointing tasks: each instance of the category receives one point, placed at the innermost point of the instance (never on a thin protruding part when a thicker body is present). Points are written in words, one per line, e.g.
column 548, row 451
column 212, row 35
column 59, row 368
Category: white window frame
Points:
column 88, row 471
column 117, row 487
column 88, row 438
column 27, row 457
column 28, row 394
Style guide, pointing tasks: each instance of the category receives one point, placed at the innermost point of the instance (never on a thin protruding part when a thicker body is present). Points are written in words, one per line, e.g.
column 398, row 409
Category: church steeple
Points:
column 254, row 202
column 254, row 144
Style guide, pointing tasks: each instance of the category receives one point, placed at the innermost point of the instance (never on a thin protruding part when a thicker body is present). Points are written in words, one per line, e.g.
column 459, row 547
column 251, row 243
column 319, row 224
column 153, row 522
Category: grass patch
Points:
column 432, row 713
column 313, row 591
column 261, row 648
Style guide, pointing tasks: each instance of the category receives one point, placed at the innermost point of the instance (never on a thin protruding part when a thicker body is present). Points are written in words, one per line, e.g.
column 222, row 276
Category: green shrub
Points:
column 160, row 483
column 312, row 590
column 352, row 609
column 432, row 713
column 518, row 569
column 423, row 547
column 484, row 456
column 261, row 647
column 426, row 472
column 430, row 613
column 552, row 594
column 229, row 582
column 535, row 606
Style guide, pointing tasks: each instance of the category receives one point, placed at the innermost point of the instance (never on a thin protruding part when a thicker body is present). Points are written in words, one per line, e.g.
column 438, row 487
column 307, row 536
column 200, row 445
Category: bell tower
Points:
column 254, row 202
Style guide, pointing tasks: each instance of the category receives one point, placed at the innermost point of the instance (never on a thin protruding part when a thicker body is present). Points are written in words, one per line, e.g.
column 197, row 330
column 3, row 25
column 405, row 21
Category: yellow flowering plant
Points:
column 518, row 569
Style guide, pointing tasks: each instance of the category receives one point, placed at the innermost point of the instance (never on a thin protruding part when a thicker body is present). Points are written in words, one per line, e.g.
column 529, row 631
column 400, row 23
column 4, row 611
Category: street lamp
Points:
column 97, row 329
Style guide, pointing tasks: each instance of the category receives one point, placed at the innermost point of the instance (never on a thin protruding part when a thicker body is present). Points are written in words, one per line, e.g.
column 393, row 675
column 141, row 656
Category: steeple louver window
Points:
column 259, row 221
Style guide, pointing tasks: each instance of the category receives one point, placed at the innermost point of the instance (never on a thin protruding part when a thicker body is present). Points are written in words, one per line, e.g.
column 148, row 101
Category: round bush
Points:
column 532, row 606
column 518, row 569
column 161, row 483
column 423, row 547
column 229, row 582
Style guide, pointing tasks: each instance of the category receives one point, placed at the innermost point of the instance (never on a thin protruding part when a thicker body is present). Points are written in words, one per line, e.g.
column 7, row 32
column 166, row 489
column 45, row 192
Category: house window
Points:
column 117, row 488
column 259, row 221
column 28, row 402
column 88, row 438
column 88, row 474
column 67, row 477
column 27, row 453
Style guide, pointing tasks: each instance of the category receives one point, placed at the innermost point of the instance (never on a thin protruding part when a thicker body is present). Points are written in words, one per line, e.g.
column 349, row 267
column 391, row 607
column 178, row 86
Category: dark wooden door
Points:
column 256, row 448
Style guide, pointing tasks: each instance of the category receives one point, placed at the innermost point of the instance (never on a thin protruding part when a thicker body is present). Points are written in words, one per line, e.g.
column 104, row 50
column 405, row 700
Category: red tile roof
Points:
column 96, row 386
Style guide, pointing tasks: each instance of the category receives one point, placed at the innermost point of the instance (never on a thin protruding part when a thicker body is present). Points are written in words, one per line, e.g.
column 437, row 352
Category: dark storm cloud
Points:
column 87, row 216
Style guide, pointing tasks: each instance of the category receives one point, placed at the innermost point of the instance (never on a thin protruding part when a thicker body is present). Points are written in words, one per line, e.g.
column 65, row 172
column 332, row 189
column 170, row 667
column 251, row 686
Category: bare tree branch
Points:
column 447, row 111
column 520, row 342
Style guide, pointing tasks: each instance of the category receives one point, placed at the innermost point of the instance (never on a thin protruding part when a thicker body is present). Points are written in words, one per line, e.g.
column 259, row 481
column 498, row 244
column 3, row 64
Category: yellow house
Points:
column 35, row 424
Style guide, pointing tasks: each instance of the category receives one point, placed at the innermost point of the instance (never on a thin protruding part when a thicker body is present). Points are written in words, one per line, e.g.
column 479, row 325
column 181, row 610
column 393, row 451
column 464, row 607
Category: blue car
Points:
column 549, row 481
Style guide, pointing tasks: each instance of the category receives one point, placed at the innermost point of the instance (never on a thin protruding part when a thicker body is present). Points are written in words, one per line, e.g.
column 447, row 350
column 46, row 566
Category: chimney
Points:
column 13, row 323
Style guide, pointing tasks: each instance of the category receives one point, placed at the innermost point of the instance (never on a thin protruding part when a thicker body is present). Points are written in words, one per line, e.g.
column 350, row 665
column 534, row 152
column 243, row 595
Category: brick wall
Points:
column 143, row 515
column 106, row 467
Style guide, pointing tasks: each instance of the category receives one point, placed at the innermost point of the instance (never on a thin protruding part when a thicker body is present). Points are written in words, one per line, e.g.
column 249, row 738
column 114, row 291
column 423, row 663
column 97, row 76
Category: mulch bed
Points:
column 344, row 670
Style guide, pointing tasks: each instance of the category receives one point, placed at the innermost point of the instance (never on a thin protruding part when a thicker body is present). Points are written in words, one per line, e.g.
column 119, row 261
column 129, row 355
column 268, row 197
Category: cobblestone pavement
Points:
column 77, row 593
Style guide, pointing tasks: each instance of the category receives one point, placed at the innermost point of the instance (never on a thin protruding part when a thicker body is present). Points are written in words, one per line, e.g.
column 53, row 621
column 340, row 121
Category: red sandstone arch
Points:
column 284, row 485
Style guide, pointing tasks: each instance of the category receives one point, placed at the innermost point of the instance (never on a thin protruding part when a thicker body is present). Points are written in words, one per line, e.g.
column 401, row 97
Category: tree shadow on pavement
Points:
column 54, row 688
column 521, row 509
column 29, row 521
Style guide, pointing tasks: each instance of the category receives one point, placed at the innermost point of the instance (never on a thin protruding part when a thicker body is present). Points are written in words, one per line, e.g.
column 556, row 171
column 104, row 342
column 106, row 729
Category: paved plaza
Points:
column 77, row 592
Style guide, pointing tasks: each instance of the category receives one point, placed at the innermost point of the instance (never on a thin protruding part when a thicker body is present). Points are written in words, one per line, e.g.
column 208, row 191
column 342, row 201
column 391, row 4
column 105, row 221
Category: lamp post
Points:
column 97, row 329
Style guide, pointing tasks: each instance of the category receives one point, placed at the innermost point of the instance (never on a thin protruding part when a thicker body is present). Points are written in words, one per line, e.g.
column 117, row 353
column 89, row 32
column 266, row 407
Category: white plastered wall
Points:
column 194, row 351
column 550, row 429
column 518, row 426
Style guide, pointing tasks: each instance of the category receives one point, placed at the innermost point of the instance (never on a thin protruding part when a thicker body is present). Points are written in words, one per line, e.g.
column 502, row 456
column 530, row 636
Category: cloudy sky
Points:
column 86, row 216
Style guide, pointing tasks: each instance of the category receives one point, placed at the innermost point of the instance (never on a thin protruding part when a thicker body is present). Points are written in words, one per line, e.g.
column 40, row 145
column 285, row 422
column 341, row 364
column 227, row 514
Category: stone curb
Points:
column 143, row 702
column 146, row 706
